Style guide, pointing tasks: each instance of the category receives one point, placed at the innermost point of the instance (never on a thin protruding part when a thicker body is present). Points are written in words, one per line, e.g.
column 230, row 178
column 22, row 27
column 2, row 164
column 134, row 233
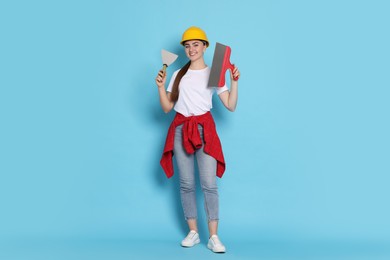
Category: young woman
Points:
column 193, row 134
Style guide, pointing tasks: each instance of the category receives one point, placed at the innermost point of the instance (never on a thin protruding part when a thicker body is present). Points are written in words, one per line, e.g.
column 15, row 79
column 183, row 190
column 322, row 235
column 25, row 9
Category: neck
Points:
column 198, row 64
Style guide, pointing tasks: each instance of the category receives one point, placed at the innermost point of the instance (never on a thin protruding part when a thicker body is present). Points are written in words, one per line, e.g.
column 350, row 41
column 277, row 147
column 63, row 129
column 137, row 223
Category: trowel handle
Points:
column 234, row 78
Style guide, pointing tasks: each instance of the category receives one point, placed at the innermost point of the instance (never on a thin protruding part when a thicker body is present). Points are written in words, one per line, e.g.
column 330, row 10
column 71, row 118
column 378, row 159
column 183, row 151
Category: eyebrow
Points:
column 197, row 42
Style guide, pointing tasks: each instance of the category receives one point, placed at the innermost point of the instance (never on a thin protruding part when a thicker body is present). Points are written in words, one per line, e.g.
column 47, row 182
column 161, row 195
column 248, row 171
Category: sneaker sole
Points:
column 195, row 243
column 216, row 251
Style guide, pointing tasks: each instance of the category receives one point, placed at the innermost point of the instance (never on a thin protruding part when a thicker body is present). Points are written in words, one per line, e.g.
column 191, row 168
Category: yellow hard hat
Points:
column 194, row 33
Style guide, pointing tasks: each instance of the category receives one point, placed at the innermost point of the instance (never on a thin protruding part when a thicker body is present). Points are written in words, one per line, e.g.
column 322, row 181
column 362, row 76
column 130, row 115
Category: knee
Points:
column 187, row 185
column 209, row 187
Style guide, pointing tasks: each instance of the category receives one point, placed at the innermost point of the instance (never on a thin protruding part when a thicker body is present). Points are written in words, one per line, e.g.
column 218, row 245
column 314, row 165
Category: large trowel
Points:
column 221, row 63
column 167, row 58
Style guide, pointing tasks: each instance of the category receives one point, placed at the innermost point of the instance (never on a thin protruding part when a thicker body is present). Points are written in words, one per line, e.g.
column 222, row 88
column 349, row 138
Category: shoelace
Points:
column 216, row 241
column 190, row 235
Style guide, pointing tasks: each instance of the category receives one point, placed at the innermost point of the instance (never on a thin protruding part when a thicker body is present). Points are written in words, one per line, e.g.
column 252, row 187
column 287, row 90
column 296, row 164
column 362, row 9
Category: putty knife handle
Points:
column 164, row 69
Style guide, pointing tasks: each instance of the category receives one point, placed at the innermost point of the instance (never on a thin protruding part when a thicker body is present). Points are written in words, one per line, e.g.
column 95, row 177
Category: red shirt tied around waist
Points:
column 192, row 141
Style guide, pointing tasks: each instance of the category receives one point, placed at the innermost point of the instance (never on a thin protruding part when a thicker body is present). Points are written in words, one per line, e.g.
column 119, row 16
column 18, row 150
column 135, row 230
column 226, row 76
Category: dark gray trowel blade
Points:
column 217, row 65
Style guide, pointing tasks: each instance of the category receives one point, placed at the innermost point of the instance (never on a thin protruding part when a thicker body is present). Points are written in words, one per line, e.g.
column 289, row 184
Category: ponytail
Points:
column 175, row 87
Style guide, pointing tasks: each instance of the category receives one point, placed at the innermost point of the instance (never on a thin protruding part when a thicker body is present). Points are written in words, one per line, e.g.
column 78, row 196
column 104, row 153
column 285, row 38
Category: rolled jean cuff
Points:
column 191, row 218
column 214, row 220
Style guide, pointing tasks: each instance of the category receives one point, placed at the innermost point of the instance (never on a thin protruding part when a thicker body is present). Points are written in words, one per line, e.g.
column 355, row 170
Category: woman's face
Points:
column 194, row 49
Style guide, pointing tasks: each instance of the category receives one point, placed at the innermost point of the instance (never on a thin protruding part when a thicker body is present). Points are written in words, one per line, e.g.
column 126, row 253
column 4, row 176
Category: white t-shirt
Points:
column 195, row 97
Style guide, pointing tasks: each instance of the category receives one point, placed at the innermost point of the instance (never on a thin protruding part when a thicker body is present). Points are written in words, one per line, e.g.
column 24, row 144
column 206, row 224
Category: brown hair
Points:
column 175, row 87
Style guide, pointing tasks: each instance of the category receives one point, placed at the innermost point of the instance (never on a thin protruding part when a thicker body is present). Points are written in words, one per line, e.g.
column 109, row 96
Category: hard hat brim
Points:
column 183, row 42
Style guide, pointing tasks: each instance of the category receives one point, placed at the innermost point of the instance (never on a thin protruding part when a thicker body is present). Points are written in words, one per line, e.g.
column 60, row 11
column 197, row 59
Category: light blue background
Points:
column 82, row 131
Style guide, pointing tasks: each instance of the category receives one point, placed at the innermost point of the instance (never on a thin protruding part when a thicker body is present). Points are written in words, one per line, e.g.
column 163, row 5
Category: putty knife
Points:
column 167, row 58
column 221, row 63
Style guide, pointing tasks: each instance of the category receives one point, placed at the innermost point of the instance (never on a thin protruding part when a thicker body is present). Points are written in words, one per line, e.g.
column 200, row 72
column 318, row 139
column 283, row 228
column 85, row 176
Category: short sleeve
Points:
column 219, row 90
column 170, row 85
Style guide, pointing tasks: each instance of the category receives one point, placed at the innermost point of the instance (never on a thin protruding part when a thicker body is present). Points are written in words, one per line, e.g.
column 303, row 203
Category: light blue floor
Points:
column 118, row 249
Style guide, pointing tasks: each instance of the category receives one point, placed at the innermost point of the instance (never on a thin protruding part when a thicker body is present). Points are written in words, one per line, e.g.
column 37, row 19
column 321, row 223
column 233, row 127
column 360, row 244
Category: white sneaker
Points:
column 191, row 239
column 216, row 245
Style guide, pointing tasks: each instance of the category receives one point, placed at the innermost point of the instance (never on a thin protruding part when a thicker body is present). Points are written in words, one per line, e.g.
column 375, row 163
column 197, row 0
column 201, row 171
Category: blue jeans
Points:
column 207, row 166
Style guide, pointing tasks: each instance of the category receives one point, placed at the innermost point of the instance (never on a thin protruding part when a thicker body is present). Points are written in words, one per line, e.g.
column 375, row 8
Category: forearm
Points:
column 233, row 96
column 165, row 102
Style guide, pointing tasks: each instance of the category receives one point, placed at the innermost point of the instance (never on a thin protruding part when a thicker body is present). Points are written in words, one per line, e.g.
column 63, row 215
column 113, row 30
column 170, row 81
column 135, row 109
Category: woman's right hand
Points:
column 161, row 78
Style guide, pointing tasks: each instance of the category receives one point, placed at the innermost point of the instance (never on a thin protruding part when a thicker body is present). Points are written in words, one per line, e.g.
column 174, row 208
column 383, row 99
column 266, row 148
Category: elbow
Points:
column 167, row 109
column 231, row 108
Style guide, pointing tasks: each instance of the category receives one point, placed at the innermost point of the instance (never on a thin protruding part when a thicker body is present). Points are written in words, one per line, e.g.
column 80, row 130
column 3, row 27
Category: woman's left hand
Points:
column 235, row 74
